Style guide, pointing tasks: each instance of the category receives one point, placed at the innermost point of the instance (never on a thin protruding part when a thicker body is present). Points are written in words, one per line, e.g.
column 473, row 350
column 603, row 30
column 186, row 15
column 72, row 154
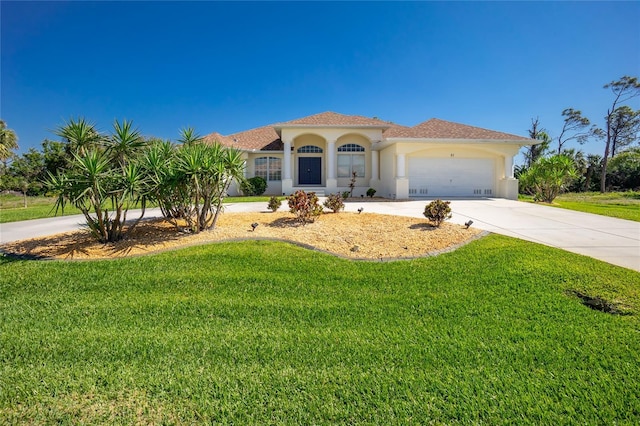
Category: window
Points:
column 268, row 168
column 309, row 149
column 351, row 147
column 349, row 163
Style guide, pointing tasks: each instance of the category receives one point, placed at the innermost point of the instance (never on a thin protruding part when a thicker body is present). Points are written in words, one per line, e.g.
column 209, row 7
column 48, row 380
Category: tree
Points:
column 574, row 128
column 125, row 142
column 191, row 180
column 594, row 162
column 548, row 176
column 615, row 120
column 624, row 170
column 625, row 124
column 102, row 184
column 80, row 135
column 533, row 152
column 8, row 143
column 27, row 172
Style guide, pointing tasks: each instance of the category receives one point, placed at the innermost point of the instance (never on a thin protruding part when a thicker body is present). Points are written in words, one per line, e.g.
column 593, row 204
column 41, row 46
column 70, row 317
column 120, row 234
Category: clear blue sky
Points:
column 229, row 67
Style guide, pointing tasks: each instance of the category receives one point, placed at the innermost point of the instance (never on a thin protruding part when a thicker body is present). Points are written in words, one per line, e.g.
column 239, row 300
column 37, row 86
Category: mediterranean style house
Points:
column 436, row 158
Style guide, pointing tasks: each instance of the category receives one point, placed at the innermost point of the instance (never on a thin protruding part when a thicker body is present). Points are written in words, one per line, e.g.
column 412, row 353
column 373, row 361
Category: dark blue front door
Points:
column 309, row 172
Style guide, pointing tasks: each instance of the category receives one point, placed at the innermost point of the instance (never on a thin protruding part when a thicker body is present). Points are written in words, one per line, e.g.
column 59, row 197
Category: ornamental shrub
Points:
column 438, row 211
column 274, row 203
column 305, row 206
column 254, row 186
column 334, row 202
column 371, row 192
column 345, row 194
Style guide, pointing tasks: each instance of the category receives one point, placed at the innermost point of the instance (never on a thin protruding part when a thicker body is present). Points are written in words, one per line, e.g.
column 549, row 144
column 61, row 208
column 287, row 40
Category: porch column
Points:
column 508, row 166
column 331, row 159
column 400, row 161
column 287, row 182
column 331, row 182
column 375, row 160
column 287, row 159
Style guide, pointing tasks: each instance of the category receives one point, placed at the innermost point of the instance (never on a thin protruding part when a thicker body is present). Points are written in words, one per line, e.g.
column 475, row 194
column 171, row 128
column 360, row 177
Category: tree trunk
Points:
column 603, row 175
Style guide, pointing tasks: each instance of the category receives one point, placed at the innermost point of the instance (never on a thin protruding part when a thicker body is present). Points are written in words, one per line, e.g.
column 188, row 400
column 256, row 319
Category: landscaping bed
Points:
column 352, row 235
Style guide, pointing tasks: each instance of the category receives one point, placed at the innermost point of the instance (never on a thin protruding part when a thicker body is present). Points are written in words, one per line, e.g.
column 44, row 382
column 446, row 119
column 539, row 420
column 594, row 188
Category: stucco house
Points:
column 435, row 158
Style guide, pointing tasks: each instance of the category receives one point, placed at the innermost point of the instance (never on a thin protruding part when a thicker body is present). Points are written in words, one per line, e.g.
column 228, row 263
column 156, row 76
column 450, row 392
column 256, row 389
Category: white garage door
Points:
column 455, row 177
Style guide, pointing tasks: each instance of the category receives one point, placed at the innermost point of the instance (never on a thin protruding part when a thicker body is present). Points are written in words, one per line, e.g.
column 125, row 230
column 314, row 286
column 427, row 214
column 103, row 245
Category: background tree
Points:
column 533, row 152
column 8, row 143
column 624, row 170
column 575, row 127
column 625, row 124
column 615, row 121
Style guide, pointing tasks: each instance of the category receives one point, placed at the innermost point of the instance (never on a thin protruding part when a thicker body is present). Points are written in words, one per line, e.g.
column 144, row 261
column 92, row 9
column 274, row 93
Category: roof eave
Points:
column 522, row 142
column 334, row 126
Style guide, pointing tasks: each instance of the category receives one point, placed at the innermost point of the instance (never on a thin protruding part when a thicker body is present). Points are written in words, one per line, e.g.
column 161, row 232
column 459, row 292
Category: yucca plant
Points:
column 102, row 183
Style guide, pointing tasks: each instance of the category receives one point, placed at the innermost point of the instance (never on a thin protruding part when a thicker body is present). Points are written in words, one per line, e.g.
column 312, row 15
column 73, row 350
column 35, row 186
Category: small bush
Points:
column 274, row 203
column 371, row 192
column 438, row 211
column 345, row 195
column 334, row 202
column 254, row 186
column 305, row 206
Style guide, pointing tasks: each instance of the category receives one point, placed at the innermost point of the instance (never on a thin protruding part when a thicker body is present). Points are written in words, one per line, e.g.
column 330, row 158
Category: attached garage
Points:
column 461, row 177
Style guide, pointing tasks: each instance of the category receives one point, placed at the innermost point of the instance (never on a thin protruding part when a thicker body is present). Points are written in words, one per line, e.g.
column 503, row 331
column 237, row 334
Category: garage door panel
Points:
column 451, row 176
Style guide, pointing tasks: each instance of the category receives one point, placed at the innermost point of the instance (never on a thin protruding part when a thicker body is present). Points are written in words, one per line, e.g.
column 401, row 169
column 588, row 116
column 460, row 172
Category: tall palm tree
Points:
column 8, row 142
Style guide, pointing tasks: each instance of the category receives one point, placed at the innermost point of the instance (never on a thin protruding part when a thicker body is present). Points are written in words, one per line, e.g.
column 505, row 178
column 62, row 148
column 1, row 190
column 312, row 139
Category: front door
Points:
column 309, row 170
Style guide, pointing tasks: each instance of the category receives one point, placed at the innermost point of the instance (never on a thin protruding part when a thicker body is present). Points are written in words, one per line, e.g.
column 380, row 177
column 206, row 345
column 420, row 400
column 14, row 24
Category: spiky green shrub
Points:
column 274, row 203
column 334, row 202
column 104, row 178
column 305, row 206
column 438, row 211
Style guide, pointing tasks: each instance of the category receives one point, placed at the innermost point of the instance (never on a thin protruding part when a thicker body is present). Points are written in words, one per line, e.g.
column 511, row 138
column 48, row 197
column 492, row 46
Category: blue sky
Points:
column 229, row 67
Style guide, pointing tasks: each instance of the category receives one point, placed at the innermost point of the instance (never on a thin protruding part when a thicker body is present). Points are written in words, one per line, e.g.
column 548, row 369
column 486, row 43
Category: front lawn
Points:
column 623, row 205
column 262, row 332
column 12, row 207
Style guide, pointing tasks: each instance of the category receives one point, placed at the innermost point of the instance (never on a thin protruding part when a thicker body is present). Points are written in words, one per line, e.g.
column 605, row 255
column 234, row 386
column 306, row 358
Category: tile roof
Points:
column 334, row 119
column 267, row 138
column 441, row 129
column 263, row 138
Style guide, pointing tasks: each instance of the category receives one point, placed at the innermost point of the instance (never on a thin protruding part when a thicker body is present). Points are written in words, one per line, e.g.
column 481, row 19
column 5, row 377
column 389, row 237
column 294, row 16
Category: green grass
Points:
column 12, row 207
column 623, row 205
column 269, row 333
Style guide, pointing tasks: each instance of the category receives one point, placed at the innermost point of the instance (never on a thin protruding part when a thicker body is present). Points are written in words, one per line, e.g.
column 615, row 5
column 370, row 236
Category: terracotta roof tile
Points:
column 334, row 119
column 267, row 138
column 263, row 138
column 441, row 129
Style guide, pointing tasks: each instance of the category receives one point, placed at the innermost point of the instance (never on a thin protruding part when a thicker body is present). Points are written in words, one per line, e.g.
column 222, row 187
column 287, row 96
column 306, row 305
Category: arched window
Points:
column 351, row 147
column 268, row 168
column 309, row 149
column 350, row 160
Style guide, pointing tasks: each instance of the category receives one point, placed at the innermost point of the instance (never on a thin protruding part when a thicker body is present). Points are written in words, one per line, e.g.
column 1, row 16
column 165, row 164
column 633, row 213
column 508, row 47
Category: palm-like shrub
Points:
column 548, row 177
column 104, row 179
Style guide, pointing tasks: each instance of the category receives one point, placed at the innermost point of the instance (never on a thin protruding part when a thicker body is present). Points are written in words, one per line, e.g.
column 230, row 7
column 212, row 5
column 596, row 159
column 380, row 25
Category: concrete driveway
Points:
column 615, row 241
